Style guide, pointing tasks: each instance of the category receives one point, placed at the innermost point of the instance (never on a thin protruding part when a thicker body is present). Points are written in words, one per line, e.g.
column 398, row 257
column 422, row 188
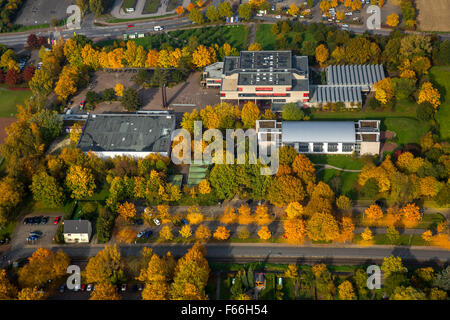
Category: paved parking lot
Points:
column 42, row 11
column 48, row 230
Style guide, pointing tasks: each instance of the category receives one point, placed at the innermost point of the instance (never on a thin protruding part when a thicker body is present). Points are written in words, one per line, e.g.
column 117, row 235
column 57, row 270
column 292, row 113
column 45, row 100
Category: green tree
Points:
column 45, row 188
column 292, row 112
column 196, row 16
column 131, row 100
column 212, row 14
column 245, row 11
column 225, row 9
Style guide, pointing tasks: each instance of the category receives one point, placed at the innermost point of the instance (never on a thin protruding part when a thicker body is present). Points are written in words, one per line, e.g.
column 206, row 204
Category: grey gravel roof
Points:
column 318, row 131
column 77, row 226
column 326, row 93
column 214, row 70
column 362, row 75
column 127, row 132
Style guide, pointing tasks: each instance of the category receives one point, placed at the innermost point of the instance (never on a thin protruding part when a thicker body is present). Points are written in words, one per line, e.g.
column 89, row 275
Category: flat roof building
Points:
column 329, row 137
column 136, row 135
column 77, row 231
column 264, row 77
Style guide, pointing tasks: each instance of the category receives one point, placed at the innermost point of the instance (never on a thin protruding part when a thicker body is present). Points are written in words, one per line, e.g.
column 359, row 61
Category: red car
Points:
column 57, row 219
column 83, row 287
column 130, row 26
column 82, row 103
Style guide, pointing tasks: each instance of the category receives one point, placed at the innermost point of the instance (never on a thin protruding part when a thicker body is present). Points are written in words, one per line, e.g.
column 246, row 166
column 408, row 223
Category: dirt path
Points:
column 327, row 166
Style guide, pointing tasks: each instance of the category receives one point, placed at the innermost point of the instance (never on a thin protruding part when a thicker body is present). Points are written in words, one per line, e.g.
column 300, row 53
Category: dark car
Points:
column 36, row 233
column 37, row 220
column 61, row 289
column 27, row 220
column 184, row 221
column 135, row 287
column 148, row 233
column 44, row 220
column 380, row 203
column 139, row 222
column 32, row 238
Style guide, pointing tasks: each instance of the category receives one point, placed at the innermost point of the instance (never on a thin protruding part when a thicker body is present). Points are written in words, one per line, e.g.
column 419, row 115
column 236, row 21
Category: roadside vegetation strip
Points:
column 327, row 166
column 118, row 20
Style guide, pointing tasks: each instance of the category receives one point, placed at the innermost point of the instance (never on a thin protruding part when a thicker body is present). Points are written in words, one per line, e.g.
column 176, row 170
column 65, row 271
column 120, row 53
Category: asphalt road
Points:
column 272, row 252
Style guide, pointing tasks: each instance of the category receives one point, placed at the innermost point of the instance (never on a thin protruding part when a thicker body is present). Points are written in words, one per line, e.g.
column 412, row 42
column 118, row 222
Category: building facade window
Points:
column 318, row 147
column 347, row 147
column 332, row 147
column 303, row 147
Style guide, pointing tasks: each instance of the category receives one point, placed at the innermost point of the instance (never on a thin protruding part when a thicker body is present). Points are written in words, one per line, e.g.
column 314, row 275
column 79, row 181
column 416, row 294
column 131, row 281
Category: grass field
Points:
column 151, row 6
column 347, row 181
column 441, row 78
column 340, row 161
column 408, row 130
column 10, row 99
column 265, row 37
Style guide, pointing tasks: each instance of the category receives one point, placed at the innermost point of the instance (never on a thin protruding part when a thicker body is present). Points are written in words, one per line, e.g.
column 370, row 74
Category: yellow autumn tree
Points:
column 383, row 90
column 152, row 59
column 411, row 214
column 367, row 234
column 250, row 113
column 229, row 216
column 429, row 94
column 75, row 133
column 221, row 233
column 346, row 229
column 294, row 230
column 346, row 291
column 245, row 217
column 293, row 9
column 203, row 56
column 322, row 54
column 80, row 182
column 322, row 226
column 105, row 291
column 204, row 187
column 194, row 215
column 264, row 233
column 186, row 231
column 294, row 210
column 31, row 294
column 166, row 233
column 202, row 233
column 127, row 210
column 392, row 20
column 67, row 83
column 373, row 215
column 126, row 235
column 262, row 216
column 254, row 47
column 427, row 236
column 119, row 89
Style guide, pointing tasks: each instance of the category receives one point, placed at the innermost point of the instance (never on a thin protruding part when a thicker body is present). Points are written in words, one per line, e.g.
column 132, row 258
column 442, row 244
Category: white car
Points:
column 156, row 221
column 158, row 28
column 278, row 17
column 89, row 287
column 349, row 13
column 345, row 26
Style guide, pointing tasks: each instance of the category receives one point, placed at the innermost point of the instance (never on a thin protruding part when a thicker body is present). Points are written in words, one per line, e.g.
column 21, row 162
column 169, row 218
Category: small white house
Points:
column 77, row 231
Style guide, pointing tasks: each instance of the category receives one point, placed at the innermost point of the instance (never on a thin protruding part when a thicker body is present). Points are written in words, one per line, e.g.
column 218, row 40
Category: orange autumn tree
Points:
column 262, row 216
column 180, row 10
column 322, row 54
column 294, row 230
column 429, row 94
column 245, row 217
column 190, row 6
column 373, row 215
column 194, row 215
column 367, row 235
column 294, row 210
column 411, row 214
column 346, row 229
column 222, row 233
column 204, row 187
column 166, row 233
column 186, row 231
column 126, row 235
column 127, row 210
column 229, row 216
column 304, row 168
column 202, row 233
column 264, row 233
column 322, row 226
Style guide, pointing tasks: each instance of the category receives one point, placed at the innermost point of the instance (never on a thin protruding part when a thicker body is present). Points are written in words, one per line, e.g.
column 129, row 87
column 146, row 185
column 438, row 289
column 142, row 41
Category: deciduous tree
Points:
column 105, row 291
column 221, row 233
column 264, row 233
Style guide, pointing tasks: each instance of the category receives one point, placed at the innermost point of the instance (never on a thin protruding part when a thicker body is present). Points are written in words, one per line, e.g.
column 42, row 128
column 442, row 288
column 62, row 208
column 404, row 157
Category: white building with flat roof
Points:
column 321, row 137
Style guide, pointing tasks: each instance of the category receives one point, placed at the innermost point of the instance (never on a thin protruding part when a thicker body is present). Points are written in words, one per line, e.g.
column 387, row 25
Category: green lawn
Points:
column 340, row 161
column 346, row 180
column 10, row 99
column 408, row 130
column 173, row 4
column 151, row 6
column 265, row 37
column 405, row 240
column 441, row 78
column 129, row 4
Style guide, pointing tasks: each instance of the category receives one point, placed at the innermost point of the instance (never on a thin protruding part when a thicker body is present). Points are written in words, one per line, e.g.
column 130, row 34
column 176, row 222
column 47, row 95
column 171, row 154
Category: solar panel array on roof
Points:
column 264, row 78
column 265, row 59
column 325, row 93
column 360, row 75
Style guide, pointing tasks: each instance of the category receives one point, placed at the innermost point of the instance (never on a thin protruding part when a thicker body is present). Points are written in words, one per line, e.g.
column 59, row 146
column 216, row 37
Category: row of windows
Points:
column 319, row 147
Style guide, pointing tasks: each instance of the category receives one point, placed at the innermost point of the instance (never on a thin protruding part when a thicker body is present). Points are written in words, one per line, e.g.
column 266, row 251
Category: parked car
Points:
column 140, row 287
column 37, row 220
column 61, row 289
column 36, row 233
column 148, row 234
column 95, row 287
column 82, row 103
column 32, row 238
column 139, row 222
column 184, row 221
column 140, row 234
column 123, row 287
column 83, row 287
column 156, row 221
column 28, row 220
column 57, row 219
column 349, row 13
column 76, row 288
column 158, row 28
column 278, row 17
column 89, row 287
column 130, row 26
column 44, row 220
